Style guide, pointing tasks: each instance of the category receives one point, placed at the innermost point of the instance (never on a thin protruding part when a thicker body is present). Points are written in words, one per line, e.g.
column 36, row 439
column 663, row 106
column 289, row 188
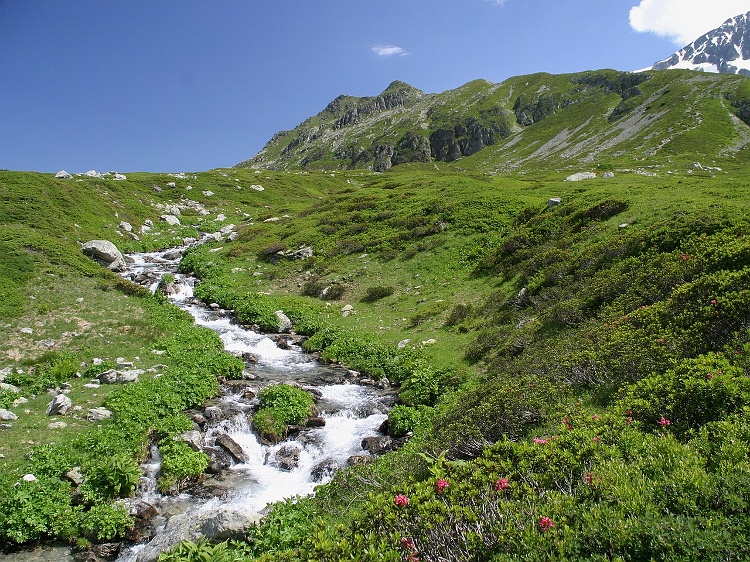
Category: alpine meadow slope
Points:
column 571, row 357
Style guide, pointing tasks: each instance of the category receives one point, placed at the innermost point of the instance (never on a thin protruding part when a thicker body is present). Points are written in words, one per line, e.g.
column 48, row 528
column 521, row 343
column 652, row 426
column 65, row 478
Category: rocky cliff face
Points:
column 725, row 49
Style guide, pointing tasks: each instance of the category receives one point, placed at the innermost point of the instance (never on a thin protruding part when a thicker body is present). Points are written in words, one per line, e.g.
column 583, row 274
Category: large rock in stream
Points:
column 212, row 522
column 106, row 253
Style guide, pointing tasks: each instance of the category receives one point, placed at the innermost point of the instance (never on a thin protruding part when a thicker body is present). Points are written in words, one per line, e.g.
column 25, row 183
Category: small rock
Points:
column 403, row 343
column 57, row 425
column 20, row 400
column 125, row 377
column 553, row 201
column 96, row 415
column 27, row 330
column 75, row 476
column 7, row 415
column 62, row 174
column 28, row 478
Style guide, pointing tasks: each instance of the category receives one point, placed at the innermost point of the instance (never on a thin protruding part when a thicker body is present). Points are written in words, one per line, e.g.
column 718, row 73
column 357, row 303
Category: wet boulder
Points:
column 324, row 469
column 232, row 447
column 377, row 444
column 287, row 458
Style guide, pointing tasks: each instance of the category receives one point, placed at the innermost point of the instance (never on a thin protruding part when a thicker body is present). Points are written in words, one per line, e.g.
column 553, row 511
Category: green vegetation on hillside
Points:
column 572, row 374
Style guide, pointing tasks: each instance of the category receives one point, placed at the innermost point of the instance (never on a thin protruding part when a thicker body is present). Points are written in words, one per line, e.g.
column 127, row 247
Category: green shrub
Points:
column 115, row 477
column 693, row 393
column 106, row 522
column 180, row 464
column 403, row 419
column 376, row 293
column 33, row 510
column 422, row 386
column 270, row 424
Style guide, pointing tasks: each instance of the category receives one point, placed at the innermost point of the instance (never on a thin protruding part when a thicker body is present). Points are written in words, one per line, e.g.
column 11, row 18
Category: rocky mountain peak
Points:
column 725, row 49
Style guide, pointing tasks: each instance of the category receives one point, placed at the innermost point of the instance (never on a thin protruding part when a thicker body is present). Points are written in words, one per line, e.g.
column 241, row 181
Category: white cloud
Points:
column 684, row 21
column 388, row 50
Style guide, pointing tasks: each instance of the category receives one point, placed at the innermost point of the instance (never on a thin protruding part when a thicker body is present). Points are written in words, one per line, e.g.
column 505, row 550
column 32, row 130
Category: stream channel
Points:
column 351, row 413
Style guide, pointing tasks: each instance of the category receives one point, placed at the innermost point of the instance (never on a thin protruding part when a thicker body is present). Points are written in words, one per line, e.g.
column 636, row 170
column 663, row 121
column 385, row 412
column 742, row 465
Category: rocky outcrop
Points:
column 104, row 252
column 465, row 139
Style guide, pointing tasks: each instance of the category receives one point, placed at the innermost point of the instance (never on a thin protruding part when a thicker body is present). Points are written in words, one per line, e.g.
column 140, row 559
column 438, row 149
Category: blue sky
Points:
column 190, row 85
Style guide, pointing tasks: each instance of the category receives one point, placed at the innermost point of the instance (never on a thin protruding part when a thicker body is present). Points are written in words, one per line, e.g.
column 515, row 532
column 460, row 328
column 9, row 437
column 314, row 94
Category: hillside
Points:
column 571, row 358
column 571, row 122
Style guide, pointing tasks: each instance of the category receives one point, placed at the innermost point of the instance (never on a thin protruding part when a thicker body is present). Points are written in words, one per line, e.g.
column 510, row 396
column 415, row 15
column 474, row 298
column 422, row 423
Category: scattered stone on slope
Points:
column 285, row 324
column 96, row 415
column 62, row 174
column 7, row 415
column 60, row 404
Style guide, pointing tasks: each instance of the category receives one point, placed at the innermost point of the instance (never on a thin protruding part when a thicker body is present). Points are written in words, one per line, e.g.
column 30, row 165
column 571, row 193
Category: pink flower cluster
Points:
column 441, row 485
column 401, row 500
column 408, row 545
column 664, row 422
column 545, row 524
column 502, row 484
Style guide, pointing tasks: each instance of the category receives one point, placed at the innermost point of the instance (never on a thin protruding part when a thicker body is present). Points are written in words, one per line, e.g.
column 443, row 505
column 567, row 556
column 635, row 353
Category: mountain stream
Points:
column 347, row 414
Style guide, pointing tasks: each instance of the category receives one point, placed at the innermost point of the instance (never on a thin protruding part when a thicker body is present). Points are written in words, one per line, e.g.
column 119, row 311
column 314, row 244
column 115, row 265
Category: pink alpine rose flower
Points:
column 441, row 485
column 545, row 524
column 401, row 500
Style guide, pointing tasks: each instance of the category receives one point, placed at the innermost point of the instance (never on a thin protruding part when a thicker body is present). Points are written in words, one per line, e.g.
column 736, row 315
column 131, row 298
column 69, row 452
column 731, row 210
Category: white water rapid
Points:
column 351, row 413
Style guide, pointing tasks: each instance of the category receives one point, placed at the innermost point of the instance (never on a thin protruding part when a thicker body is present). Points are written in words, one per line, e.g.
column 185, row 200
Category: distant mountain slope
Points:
column 539, row 120
column 725, row 49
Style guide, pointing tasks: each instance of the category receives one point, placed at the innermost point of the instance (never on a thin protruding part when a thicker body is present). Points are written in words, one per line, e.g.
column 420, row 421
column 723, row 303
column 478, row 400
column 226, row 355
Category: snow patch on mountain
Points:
column 725, row 49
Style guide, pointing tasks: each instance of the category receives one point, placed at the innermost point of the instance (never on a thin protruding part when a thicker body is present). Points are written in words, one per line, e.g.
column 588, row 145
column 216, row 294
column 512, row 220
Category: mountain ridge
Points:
column 567, row 120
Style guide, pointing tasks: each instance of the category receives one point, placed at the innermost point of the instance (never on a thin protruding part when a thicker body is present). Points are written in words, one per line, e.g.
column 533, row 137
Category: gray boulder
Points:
column 96, row 415
column 285, row 324
column 104, row 252
column 107, row 377
column 214, row 523
column 9, row 388
column 7, row 415
column 192, row 438
column 62, row 174
column 60, row 405
column 124, row 377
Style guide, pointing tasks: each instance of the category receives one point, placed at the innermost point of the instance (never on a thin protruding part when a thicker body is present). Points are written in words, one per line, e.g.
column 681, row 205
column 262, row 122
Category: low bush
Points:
column 376, row 293
column 180, row 463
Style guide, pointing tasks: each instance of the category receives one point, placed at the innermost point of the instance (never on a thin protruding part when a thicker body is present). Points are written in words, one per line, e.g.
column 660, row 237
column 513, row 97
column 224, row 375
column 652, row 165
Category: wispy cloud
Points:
column 383, row 50
column 683, row 21
column 498, row 2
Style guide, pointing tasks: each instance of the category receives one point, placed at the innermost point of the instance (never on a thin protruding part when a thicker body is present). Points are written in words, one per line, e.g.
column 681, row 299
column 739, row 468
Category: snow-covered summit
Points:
column 725, row 49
